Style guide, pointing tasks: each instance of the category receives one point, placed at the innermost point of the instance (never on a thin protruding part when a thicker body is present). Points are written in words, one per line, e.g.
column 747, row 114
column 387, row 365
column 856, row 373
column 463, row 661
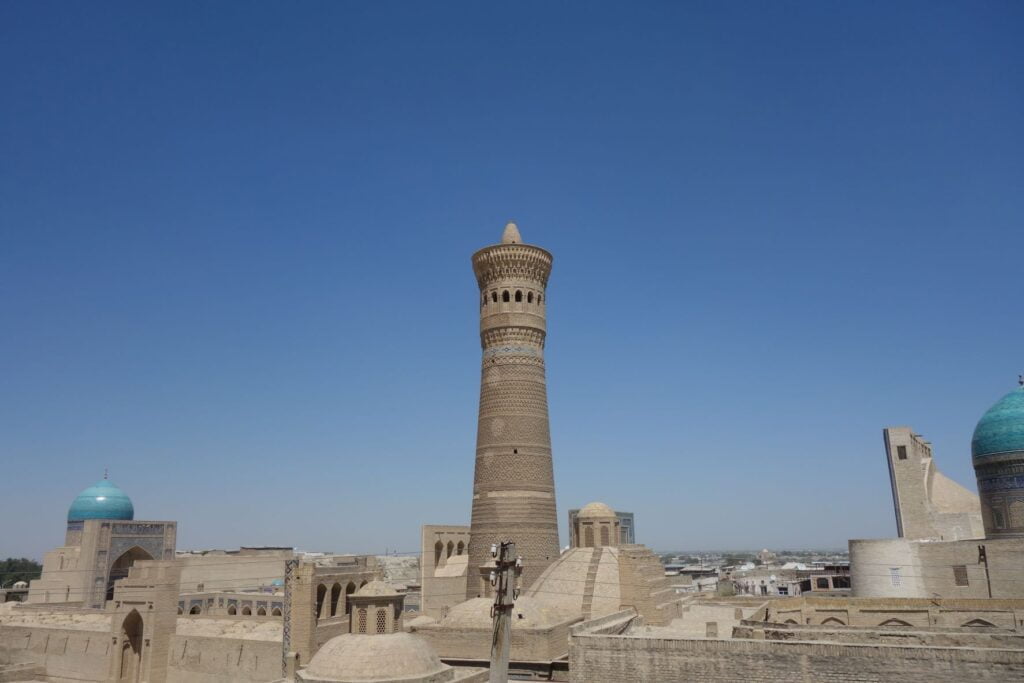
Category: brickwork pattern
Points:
column 513, row 483
column 595, row 658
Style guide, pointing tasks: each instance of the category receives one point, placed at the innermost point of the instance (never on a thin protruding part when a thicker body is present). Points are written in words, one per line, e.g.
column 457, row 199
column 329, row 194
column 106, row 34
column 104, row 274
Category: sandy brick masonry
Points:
column 513, row 485
column 619, row 647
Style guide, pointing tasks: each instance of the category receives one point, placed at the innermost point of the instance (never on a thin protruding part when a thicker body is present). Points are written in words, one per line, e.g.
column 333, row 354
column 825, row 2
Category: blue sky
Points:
column 235, row 240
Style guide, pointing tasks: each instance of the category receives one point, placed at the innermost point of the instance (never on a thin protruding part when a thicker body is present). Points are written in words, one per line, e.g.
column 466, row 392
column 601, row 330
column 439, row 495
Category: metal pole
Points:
column 503, row 578
column 983, row 557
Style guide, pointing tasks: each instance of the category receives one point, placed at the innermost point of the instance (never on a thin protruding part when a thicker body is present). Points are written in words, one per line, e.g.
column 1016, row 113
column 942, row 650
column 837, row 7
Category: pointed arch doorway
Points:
column 131, row 649
column 122, row 564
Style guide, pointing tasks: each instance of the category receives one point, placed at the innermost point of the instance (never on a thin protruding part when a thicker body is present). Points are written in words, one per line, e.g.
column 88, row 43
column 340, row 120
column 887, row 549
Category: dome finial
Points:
column 1020, row 380
column 105, row 473
column 511, row 234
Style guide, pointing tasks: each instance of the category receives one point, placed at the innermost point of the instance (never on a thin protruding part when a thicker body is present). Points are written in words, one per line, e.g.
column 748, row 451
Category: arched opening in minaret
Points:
column 494, row 297
column 451, row 548
column 438, row 549
column 529, row 298
column 519, row 296
column 460, row 548
column 505, row 296
column 539, row 298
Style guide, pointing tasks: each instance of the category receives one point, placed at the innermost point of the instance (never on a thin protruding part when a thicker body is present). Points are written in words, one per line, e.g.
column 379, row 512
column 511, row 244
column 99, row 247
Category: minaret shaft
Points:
column 513, row 486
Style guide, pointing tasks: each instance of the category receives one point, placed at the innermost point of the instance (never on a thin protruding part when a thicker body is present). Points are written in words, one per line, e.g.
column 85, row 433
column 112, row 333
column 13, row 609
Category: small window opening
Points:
column 529, row 298
column 999, row 518
column 504, row 296
column 960, row 576
column 494, row 297
column 901, row 452
column 519, row 296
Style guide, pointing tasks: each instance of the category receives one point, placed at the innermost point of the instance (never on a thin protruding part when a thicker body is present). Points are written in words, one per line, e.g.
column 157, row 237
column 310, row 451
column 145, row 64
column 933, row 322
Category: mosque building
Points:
column 102, row 542
column 952, row 543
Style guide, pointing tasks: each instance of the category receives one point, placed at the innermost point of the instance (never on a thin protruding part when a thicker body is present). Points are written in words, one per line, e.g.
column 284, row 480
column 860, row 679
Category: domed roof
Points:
column 357, row 657
column 567, row 584
column 376, row 587
column 102, row 500
column 596, row 510
column 1001, row 428
column 528, row 612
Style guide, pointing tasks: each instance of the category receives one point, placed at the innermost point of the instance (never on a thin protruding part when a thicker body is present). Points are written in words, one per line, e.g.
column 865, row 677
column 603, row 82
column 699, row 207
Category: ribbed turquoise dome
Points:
column 1001, row 429
column 102, row 500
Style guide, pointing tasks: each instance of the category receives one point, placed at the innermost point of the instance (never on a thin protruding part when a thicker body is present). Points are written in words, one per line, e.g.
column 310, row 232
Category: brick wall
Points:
column 223, row 660
column 596, row 658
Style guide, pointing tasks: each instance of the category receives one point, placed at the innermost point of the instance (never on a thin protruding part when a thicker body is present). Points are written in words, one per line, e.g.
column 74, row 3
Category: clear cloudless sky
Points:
column 235, row 243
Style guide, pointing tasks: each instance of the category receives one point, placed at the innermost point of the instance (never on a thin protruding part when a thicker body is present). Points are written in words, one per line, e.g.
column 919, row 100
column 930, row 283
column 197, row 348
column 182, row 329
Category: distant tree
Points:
column 14, row 569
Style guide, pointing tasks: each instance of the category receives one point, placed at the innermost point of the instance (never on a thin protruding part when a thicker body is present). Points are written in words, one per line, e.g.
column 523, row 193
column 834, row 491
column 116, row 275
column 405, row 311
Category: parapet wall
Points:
column 220, row 660
column 916, row 612
column 668, row 660
column 67, row 654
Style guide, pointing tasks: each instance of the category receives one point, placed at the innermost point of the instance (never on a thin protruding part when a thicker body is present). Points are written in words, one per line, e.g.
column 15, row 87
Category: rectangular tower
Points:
column 513, row 485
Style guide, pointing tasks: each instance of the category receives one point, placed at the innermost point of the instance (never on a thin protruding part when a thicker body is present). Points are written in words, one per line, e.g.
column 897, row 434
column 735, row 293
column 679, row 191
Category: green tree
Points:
column 17, row 569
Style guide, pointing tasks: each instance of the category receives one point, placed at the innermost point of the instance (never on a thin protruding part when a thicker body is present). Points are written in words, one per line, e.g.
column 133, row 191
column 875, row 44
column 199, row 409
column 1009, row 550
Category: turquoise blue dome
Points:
column 1001, row 429
column 102, row 500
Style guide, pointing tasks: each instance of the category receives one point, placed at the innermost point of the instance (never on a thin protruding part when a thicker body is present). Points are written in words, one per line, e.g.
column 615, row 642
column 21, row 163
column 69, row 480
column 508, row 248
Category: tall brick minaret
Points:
column 513, row 486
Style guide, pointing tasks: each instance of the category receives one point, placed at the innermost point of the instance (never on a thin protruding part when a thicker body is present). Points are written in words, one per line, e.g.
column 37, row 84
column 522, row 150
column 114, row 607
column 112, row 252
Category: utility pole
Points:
column 503, row 577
